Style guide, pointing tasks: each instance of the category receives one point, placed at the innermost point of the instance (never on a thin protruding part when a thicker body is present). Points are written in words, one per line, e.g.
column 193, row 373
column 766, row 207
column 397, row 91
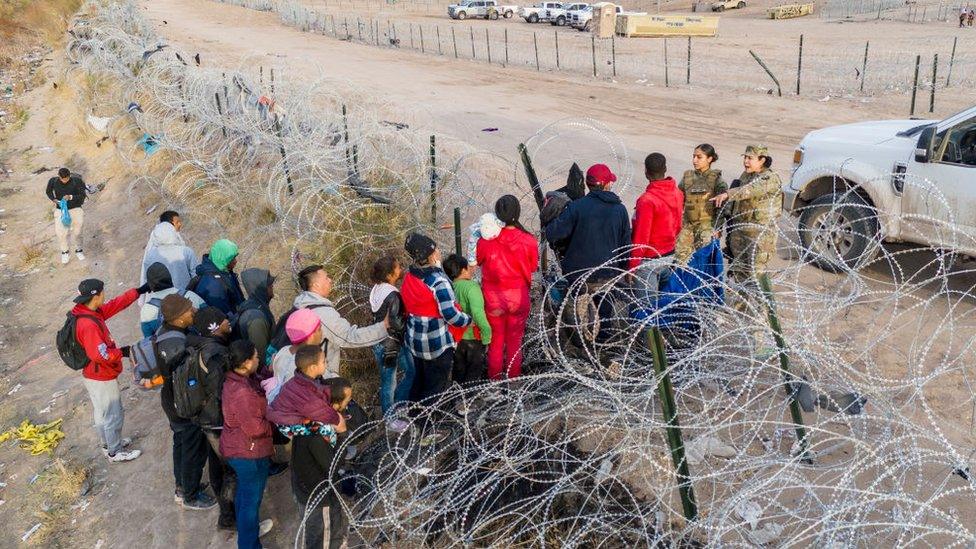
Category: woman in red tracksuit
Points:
column 507, row 263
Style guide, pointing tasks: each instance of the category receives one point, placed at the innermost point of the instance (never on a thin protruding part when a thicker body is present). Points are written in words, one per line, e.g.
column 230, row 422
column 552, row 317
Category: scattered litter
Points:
column 45, row 409
column 102, row 140
column 424, row 471
column 490, row 130
column 3, row 484
column 133, row 107
column 396, row 125
column 33, row 478
column 59, row 394
column 99, row 123
column 2, row 501
column 149, row 143
column 15, row 389
column 41, row 170
column 642, row 81
column 750, row 512
column 99, row 543
column 30, row 532
column 707, row 445
column 45, row 148
column 36, row 439
column 825, row 99
column 152, row 209
column 765, row 535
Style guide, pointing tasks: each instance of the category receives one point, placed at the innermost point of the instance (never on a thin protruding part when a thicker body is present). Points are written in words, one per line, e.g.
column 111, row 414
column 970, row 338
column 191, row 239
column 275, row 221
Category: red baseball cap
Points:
column 600, row 174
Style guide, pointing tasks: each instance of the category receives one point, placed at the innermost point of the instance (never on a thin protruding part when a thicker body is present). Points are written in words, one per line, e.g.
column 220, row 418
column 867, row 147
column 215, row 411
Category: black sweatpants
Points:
column 189, row 456
column 470, row 362
column 315, row 525
column 432, row 376
column 223, row 480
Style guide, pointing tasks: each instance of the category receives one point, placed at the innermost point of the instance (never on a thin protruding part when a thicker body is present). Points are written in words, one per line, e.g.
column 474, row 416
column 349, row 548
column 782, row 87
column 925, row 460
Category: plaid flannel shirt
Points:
column 429, row 337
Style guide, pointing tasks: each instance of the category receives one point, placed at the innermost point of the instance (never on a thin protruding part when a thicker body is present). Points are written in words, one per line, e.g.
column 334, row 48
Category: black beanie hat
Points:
column 207, row 320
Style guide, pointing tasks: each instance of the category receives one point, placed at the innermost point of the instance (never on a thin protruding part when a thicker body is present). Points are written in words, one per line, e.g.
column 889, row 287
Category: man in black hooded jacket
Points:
column 255, row 321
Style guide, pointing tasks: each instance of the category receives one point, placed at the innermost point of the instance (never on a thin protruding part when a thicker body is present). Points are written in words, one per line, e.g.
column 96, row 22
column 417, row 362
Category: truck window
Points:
column 957, row 145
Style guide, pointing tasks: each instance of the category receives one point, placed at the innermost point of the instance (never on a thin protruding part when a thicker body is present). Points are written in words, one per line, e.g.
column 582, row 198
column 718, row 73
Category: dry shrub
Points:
column 45, row 20
column 55, row 493
column 32, row 253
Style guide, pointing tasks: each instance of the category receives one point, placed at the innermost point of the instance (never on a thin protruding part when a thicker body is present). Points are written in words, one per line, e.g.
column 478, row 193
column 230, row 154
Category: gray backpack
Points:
column 146, row 353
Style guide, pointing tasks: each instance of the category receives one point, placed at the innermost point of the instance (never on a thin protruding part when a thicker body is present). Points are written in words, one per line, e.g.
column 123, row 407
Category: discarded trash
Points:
column 765, row 535
column 30, row 532
column 152, row 209
column 41, row 170
column 99, row 123
column 825, row 99
column 750, row 512
column 149, row 143
column 133, row 107
column 490, row 130
column 707, row 445
column 396, row 125
column 14, row 390
column 36, row 439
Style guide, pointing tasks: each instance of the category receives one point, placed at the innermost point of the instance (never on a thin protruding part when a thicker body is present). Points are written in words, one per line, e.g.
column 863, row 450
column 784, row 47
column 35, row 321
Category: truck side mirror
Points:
column 923, row 149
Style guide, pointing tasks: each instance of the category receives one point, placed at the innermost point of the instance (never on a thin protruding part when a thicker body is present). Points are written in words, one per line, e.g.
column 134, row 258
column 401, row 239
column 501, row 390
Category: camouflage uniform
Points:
column 697, row 223
column 755, row 206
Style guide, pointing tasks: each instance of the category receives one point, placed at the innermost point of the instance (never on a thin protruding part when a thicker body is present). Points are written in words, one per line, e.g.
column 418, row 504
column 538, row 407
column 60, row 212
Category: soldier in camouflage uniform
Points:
column 699, row 186
column 755, row 202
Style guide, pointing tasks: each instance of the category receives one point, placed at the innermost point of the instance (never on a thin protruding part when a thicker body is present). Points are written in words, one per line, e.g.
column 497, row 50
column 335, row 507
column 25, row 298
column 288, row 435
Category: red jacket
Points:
column 508, row 260
column 105, row 358
column 247, row 432
column 657, row 220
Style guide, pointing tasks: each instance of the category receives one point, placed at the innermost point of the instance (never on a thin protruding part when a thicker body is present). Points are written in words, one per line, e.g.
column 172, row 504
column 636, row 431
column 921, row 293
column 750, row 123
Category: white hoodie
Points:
column 166, row 246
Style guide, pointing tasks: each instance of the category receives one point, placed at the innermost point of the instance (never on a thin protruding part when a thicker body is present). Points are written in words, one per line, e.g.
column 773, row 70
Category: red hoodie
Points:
column 657, row 220
column 105, row 358
column 508, row 260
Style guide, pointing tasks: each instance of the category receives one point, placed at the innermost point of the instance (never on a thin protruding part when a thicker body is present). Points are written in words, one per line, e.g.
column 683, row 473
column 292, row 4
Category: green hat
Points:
column 222, row 253
column 757, row 150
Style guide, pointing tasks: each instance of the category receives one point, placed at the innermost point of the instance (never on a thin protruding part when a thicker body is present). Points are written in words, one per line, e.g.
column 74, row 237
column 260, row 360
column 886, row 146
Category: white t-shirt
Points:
column 283, row 366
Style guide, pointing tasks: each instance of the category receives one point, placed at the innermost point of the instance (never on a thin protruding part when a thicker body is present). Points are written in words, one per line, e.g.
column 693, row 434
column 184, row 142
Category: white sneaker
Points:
column 125, row 444
column 265, row 527
column 79, row 255
column 65, row 257
column 123, row 455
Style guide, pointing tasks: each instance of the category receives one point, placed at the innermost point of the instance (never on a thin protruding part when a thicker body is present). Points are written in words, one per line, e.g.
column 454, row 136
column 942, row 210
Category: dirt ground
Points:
column 126, row 505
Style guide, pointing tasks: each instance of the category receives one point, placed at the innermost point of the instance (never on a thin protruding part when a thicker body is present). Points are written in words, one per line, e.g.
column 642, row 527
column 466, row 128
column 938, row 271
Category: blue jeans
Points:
column 390, row 391
column 252, row 475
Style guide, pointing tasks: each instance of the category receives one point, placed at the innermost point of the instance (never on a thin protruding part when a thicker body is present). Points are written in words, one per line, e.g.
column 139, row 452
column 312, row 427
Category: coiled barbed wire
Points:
column 574, row 454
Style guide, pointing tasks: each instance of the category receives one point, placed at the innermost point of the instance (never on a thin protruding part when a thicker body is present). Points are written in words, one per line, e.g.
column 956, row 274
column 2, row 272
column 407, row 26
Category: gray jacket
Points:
column 338, row 331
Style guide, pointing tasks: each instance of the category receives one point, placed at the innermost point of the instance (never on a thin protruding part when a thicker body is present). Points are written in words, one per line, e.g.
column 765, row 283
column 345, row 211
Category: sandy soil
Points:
column 129, row 504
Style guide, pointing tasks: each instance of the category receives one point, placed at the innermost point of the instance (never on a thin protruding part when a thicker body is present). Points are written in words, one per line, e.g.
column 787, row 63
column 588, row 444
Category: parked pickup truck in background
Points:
column 485, row 9
column 582, row 20
column 856, row 185
column 537, row 12
column 557, row 16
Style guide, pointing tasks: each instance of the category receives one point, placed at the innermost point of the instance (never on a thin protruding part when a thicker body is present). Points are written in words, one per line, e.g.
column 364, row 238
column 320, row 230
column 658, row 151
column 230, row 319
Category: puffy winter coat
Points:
column 302, row 399
column 247, row 432
column 508, row 261
column 595, row 229
column 219, row 289
column 657, row 220
column 105, row 358
column 339, row 333
column 166, row 246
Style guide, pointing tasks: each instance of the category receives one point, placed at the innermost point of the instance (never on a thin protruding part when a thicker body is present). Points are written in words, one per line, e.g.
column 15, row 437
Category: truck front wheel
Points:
column 492, row 15
column 839, row 232
column 509, row 14
column 461, row 15
column 533, row 18
column 560, row 21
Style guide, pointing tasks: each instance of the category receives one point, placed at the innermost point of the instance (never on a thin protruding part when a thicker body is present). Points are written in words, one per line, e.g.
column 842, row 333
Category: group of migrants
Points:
column 966, row 16
column 235, row 382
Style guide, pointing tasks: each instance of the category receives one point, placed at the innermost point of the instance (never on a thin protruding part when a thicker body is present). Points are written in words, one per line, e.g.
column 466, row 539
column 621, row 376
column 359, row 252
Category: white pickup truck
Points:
column 582, row 20
column 537, row 12
column 558, row 17
column 485, row 9
column 856, row 185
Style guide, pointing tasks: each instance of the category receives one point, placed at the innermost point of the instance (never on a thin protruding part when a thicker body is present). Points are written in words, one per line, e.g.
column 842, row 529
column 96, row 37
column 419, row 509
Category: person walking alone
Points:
column 68, row 192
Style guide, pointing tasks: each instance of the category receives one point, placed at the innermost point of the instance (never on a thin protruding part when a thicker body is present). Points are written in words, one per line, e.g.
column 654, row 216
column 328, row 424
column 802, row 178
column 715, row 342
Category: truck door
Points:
column 941, row 194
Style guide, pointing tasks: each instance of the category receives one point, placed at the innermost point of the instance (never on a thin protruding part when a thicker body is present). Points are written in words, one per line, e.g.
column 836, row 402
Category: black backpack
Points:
column 70, row 349
column 279, row 338
column 189, row 390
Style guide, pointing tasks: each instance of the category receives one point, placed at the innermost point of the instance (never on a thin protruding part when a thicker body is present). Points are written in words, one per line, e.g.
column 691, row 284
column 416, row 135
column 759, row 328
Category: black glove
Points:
column 126, row 350
column 144, row 289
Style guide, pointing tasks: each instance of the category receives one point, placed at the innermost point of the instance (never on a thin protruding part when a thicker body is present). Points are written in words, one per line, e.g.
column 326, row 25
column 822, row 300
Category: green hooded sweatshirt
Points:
column 222, row 253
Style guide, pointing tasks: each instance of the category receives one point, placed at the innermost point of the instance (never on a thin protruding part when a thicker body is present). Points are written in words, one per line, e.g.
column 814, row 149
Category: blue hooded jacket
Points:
column 594, row 229
column 219, row 289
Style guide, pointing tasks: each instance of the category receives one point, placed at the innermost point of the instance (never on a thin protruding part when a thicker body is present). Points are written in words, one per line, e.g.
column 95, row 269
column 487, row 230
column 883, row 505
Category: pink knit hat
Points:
column 301, row 325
